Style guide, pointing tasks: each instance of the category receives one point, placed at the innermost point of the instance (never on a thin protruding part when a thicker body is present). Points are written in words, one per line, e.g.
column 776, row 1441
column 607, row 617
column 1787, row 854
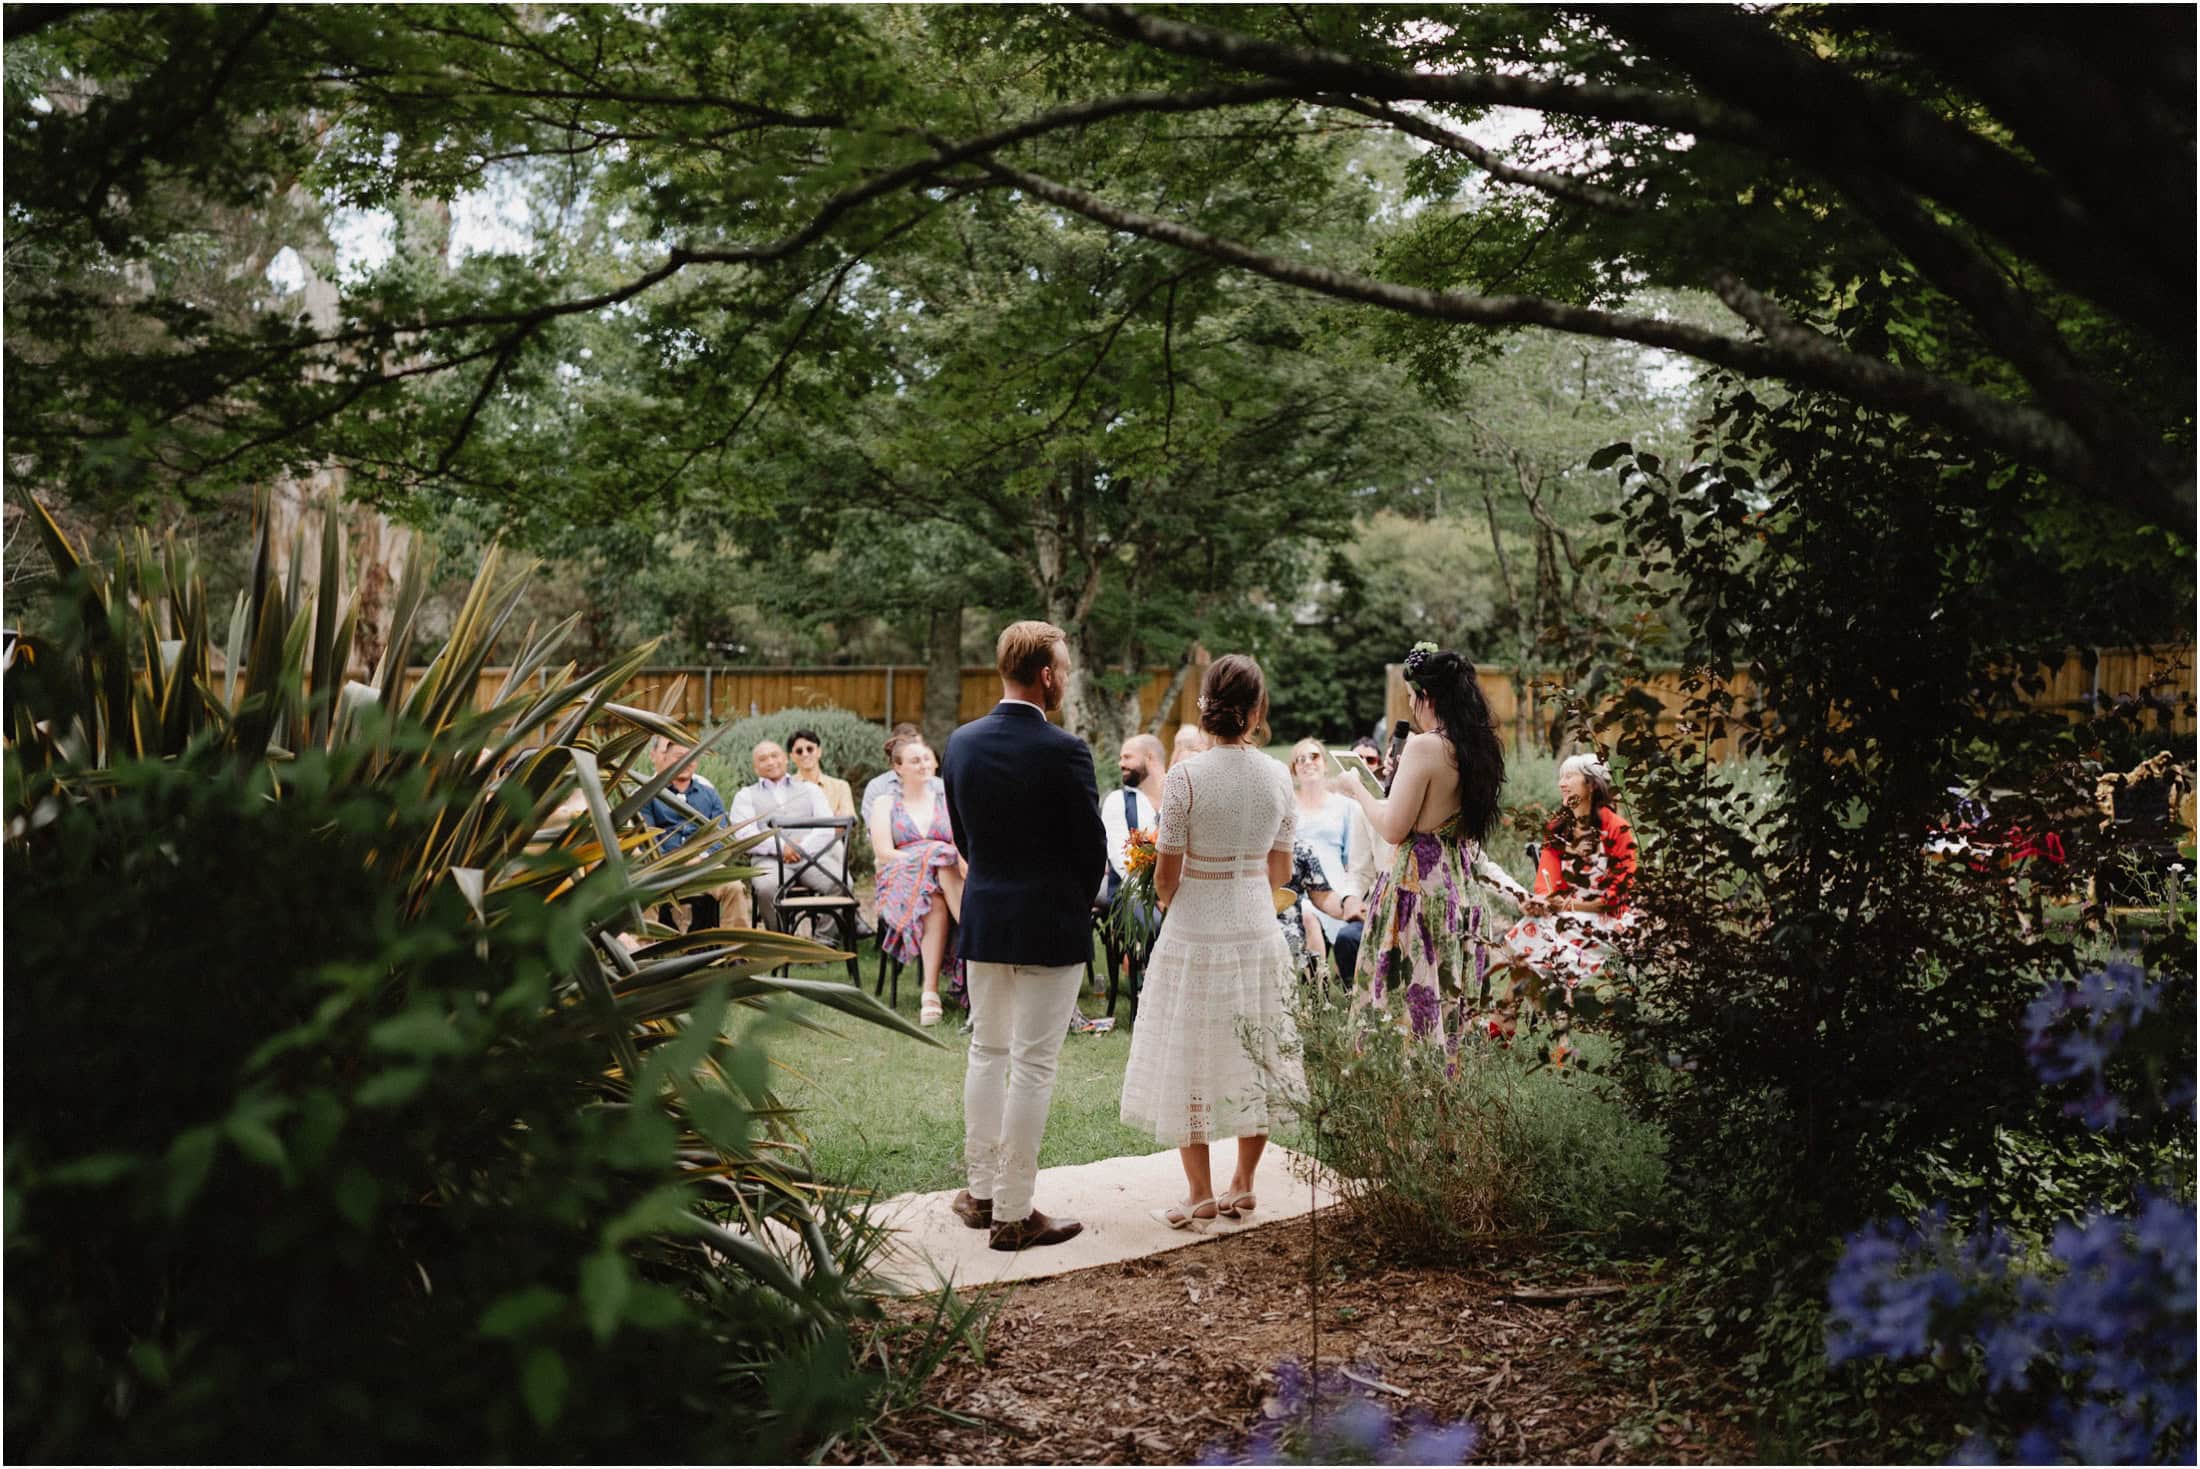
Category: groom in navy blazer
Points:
column 1026, row 813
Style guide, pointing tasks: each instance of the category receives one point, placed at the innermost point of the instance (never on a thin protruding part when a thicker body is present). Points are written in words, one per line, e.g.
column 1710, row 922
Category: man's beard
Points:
column 1135, row 776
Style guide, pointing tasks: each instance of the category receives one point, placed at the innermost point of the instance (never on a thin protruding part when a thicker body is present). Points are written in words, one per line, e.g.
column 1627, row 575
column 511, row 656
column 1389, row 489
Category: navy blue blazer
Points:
column 1026, row 813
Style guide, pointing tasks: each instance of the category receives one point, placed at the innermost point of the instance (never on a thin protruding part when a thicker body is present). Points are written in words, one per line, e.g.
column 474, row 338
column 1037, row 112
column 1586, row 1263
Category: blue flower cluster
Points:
column 1334, row 1421
column 2108, row 1327
column 2071, row 1031
column 2116, row 1322
column 1898, row 1281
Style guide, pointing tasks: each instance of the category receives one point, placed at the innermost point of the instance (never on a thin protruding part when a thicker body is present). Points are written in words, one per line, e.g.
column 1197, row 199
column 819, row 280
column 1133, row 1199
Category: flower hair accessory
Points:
column 1418, row 659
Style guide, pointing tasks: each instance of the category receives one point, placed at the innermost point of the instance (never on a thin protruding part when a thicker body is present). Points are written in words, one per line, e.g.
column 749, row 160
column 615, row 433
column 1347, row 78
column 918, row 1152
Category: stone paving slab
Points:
column 1111, row 1197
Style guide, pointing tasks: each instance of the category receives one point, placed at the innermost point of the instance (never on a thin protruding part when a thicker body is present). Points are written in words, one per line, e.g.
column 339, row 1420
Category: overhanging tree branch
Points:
column 1324, row 70
column 1558, row 186
column 1836, row 121
column 1789, row 352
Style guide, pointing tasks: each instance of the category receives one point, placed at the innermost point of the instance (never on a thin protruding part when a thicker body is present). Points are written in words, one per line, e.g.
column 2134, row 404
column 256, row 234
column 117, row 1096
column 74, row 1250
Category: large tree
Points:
column 2030, row 173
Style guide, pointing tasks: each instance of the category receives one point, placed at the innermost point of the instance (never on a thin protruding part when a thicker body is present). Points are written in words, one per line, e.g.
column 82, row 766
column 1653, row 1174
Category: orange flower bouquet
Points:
column 1136, row 913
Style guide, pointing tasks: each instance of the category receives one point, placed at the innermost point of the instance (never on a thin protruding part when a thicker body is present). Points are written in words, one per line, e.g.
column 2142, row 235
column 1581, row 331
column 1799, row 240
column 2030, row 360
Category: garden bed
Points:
column 1158, row 1359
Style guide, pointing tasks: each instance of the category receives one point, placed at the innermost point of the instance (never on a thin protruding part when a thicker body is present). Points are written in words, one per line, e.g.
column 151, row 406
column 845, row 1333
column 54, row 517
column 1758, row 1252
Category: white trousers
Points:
column 1019, row 1014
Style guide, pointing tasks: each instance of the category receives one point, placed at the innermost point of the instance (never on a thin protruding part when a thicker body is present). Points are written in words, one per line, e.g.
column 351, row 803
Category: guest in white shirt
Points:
column 778, row 796
column 1130, row 808
column 1337, row 832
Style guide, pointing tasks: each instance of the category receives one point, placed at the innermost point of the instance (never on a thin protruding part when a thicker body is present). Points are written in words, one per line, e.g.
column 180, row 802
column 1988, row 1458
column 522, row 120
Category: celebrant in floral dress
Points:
column 1428, row 922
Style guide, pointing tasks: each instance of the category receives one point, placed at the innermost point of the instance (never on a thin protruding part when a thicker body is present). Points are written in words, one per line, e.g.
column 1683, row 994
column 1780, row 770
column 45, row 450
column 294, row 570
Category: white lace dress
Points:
column 1211, row 1056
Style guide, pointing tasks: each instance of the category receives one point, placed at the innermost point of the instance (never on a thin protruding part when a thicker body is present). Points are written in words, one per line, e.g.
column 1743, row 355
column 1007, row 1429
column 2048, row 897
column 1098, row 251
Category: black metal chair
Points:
column 889, row 970
column 2142, row 827
column 796, row 902
column 1126, row 965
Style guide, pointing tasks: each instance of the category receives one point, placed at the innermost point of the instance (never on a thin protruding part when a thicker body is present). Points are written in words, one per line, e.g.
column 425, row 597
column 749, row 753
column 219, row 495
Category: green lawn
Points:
column 884, row 1112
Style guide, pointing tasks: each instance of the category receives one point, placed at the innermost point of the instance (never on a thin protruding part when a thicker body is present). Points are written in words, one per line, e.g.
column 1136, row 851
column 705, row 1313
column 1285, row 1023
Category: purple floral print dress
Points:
column 909, row 884
column 1429, row 932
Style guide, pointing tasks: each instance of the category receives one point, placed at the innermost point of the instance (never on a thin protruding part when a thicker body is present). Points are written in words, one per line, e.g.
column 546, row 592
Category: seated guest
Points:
column 1581, row 880
column 805, row 749
column 778, row 796
column 1370, row 753
column 1301, row 921
column 675, row 827
column 1190, row 740
column 1338, row 833
column 882, row 784
column 917, row 864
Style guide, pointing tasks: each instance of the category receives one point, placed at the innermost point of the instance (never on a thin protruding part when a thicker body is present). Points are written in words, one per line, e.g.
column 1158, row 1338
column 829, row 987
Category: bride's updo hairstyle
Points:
column 1233, row 698
column 1449, row 682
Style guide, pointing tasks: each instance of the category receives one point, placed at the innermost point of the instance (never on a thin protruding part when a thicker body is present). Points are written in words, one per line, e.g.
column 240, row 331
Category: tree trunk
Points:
column 943, row 675
column 384, row 549
column 379, row 548
column 1102, row 717
column 1164, row 720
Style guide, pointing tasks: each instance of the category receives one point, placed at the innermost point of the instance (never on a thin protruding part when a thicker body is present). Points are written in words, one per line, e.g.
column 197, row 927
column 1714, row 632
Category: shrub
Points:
column 1824, row 1017
column 294, row 1174
column 1433, row 1150
column 2090, row 1360
column 855, row 748
column 352, row 1131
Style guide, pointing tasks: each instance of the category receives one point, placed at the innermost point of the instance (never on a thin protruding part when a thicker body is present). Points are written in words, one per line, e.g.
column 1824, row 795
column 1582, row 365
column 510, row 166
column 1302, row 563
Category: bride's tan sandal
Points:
column 1236, row 1205
column 1187, row 1215
column 929, row 1009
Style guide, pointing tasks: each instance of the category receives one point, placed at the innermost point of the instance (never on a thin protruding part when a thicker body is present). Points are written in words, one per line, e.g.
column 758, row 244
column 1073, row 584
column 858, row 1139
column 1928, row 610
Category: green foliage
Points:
column 380, row 1056
column 324, row 1175
column 1436, row 1152
column 1824, row 1019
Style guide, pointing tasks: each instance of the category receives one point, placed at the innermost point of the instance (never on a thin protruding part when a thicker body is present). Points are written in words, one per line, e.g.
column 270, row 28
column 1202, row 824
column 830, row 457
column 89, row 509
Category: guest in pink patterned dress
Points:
column 918, row 864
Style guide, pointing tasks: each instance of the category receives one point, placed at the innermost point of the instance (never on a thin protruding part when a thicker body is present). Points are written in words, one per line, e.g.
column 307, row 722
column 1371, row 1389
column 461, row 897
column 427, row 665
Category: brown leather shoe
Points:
column 1034, row 1230
column 977, row 1213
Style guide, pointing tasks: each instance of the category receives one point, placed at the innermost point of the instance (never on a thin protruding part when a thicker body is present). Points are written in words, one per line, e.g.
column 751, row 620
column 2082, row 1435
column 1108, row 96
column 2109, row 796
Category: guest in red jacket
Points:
column 1581, row 880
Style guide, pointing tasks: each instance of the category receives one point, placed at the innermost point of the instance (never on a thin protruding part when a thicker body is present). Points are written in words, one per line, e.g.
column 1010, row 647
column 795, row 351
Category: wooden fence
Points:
column 2072, row 687
column 885, row 693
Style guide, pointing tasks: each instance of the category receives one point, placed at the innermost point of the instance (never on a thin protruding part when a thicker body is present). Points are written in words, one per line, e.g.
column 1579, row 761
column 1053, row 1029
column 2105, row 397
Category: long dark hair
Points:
column 1448, row 681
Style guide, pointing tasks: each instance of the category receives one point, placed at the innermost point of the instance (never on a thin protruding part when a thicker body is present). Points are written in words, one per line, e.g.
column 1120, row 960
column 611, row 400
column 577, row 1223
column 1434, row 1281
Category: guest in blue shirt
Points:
column 675, row 828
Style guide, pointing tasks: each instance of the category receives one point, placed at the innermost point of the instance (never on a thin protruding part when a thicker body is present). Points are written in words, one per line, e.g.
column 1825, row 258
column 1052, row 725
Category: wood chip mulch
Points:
column 1157, row 1360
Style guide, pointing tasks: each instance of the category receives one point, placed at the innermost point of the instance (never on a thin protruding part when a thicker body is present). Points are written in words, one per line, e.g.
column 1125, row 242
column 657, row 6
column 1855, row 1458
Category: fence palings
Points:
column 2072, row 687
column 882, row 693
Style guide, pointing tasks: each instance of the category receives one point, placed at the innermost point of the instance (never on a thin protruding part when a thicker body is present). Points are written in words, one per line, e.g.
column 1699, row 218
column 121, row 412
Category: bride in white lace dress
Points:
column 1208, row 1057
